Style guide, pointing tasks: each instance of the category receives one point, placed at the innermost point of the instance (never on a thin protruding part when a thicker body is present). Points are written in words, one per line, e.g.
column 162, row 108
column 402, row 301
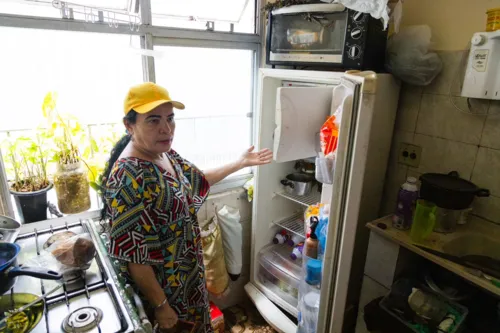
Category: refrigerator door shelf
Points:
column 269, row 311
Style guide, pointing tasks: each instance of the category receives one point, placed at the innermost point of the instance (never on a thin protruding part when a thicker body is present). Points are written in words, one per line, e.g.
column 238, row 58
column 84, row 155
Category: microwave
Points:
column 326, row 35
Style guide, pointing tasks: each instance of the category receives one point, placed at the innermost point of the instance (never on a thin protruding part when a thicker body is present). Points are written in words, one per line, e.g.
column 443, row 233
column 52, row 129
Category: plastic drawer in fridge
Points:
column 282, row 289
column 275, row 259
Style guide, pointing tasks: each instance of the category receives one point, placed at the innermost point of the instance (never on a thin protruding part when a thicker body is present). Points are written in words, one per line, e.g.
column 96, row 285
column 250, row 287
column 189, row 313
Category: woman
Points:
column 151, row 198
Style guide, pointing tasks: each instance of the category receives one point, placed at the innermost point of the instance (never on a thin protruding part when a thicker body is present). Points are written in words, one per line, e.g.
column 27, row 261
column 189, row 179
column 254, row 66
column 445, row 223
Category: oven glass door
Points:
column 308, row 37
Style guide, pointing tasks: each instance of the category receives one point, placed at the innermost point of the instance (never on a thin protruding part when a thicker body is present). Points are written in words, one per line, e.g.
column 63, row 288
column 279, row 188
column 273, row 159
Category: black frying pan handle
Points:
column 482, row 192
column 287, row 183
column 454, row 174
column 36, row 272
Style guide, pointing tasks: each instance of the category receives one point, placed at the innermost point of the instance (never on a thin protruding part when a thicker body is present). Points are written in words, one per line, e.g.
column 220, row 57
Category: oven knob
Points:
column 358, row 17
column 354, row 52
column 478, row 40
column 356, row 33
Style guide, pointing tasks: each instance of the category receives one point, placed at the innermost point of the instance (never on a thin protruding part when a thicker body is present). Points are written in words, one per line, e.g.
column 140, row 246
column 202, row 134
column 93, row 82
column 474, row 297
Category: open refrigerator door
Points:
column 345, row 104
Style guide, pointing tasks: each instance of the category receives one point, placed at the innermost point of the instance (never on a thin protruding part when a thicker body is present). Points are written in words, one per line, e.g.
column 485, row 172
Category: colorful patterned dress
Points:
column 153, row 222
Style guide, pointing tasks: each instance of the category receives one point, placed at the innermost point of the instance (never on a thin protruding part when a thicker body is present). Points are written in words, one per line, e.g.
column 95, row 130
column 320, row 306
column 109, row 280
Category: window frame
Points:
column 149, row 37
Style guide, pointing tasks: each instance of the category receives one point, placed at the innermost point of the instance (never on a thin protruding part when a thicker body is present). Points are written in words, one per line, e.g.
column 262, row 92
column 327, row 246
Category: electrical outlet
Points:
column 409, row 154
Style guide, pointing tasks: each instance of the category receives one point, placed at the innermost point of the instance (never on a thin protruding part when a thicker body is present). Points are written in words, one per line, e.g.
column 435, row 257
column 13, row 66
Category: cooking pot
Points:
column 9, row 271
column 449, row 190
column 298, row 183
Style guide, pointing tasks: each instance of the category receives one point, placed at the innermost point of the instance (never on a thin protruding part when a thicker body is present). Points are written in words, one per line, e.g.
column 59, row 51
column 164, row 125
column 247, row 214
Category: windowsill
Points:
column 229, row 184
column 225, row 185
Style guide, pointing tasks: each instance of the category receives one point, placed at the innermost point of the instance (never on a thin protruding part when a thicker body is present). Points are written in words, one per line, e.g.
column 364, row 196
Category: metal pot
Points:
column 449, row 190
column 9, row 229
column 298, row 183
column 9, row 271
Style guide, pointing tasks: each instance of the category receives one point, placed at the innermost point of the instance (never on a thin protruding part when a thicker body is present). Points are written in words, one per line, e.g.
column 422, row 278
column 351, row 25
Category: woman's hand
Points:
column 166, row 317
column 251, row 158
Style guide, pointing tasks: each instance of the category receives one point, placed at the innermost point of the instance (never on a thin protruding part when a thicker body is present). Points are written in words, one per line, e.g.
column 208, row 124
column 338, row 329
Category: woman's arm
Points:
column 248, row 159
column 145, row 279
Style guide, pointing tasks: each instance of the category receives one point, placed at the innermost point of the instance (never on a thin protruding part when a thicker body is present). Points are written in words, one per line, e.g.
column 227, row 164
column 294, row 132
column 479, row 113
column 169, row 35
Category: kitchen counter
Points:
column 436, row 241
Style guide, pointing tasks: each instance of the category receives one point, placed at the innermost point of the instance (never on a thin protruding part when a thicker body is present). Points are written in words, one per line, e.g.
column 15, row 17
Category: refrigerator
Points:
column 292, row 105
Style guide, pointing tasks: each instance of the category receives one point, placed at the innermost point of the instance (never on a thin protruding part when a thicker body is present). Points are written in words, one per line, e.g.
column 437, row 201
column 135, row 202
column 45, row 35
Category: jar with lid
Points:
column 72, row 188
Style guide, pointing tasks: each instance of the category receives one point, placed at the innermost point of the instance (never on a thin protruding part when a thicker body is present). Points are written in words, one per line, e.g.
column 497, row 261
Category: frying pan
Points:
column 9, row 270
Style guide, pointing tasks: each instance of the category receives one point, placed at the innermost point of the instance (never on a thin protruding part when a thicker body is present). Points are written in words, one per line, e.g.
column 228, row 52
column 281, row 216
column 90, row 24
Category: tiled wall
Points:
column 450, row 139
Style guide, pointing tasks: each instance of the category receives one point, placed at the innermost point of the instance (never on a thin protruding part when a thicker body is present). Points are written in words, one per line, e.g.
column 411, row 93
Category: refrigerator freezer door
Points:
column 300, row 113
column 270, row 312
column 346, row 99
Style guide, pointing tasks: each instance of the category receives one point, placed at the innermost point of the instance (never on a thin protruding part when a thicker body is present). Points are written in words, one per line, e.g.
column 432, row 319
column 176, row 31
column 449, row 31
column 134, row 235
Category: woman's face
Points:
column 153, row 132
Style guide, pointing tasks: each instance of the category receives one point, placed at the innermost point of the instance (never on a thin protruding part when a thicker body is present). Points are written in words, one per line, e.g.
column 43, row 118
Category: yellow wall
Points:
column 452, row 21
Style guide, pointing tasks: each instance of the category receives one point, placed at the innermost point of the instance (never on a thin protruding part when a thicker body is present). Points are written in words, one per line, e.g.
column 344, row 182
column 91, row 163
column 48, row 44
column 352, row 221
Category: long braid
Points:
column 118, row 148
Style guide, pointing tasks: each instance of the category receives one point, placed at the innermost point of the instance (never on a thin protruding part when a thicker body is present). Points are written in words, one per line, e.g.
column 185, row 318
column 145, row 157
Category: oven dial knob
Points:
column 358, row 17
column 478, row 40
column 354, row 52
column 356, row 33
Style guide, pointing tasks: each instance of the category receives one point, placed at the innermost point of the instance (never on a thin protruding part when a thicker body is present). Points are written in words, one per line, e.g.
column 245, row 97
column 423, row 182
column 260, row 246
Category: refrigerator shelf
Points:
column 293, row 224
column 313, row 198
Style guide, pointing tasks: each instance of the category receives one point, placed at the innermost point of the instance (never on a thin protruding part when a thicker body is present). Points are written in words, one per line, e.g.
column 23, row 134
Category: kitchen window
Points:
column 91, row 63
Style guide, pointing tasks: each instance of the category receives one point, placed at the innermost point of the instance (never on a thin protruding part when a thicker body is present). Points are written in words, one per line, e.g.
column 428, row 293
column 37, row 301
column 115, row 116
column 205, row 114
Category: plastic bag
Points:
column 408, row 56
column 329, row 135
column 77, row 251
column 213, row 258
column 66, row 255
column 232, row 239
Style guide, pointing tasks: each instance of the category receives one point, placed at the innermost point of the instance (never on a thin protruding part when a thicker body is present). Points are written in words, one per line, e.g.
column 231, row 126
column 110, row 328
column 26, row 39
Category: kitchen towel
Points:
column 376, row 8
column 229, row 221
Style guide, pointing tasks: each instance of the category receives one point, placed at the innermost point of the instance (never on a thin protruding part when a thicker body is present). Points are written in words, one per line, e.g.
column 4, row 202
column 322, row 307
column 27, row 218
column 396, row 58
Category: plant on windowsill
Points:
column 27, row 159
column 70, row 179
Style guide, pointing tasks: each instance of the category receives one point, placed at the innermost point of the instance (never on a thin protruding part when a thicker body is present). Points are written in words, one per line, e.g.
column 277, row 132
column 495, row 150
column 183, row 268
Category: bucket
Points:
column 32, row 206
column 493, row 22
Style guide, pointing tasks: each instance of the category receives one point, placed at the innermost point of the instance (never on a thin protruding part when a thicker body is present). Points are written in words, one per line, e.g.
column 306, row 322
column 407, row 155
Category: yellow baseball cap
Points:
column 144, row 97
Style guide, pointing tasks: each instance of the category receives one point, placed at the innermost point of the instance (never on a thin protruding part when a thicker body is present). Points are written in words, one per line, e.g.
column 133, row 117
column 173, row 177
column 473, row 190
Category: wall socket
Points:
column 409, row 154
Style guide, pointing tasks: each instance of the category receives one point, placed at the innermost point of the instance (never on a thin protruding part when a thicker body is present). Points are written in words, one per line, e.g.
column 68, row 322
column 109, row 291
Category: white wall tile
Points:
column 491, row 131
column 409, row 105
column 486, row 172
column 441, row 155
column 438, row 117
column 360, row 324
column 396, row 176
column 441, row 84
column 370, row 289
column 488, row 208
column 381, row 259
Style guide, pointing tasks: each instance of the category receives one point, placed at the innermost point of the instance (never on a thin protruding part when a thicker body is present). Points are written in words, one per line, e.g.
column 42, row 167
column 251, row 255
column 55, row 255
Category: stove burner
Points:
column 82, row 320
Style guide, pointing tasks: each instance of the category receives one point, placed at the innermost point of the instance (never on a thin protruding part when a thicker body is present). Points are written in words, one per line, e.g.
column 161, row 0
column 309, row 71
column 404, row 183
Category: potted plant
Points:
column 28, row 167
column 70, row 179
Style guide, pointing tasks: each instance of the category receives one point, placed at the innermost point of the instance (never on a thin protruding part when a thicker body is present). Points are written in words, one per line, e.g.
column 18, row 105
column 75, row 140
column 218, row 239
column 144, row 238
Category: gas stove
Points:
column 90, row 301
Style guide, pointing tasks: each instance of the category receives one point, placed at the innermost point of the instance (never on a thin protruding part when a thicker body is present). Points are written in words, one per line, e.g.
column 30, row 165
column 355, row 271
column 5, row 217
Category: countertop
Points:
column 436, row 242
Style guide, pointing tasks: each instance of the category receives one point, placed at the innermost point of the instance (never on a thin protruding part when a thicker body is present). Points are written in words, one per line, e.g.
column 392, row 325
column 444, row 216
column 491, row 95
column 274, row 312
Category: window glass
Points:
column 194, row 14
column 216, row 87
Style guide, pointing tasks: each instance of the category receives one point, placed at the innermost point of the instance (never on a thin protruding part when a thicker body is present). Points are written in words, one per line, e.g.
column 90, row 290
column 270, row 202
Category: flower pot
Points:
column 32, row 206
column 72, row 188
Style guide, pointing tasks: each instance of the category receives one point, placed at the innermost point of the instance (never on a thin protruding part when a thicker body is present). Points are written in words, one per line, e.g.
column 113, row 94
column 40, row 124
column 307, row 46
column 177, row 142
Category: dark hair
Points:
column 118, row 148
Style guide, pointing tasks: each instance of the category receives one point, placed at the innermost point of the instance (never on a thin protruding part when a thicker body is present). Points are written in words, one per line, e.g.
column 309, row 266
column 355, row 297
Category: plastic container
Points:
column 423, row 221
column 278, row 269
column 396, row 304
column 493, row 22
column 72, row 188
column 407, row 197
column 295, row 240
column 324, row 170
column 297, row 252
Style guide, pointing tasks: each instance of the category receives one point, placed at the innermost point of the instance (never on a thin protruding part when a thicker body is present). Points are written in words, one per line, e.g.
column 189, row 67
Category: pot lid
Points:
column 449, row 181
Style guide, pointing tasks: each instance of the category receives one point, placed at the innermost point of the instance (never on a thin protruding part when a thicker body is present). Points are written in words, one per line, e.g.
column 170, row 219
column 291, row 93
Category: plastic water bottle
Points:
column 407, row 198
